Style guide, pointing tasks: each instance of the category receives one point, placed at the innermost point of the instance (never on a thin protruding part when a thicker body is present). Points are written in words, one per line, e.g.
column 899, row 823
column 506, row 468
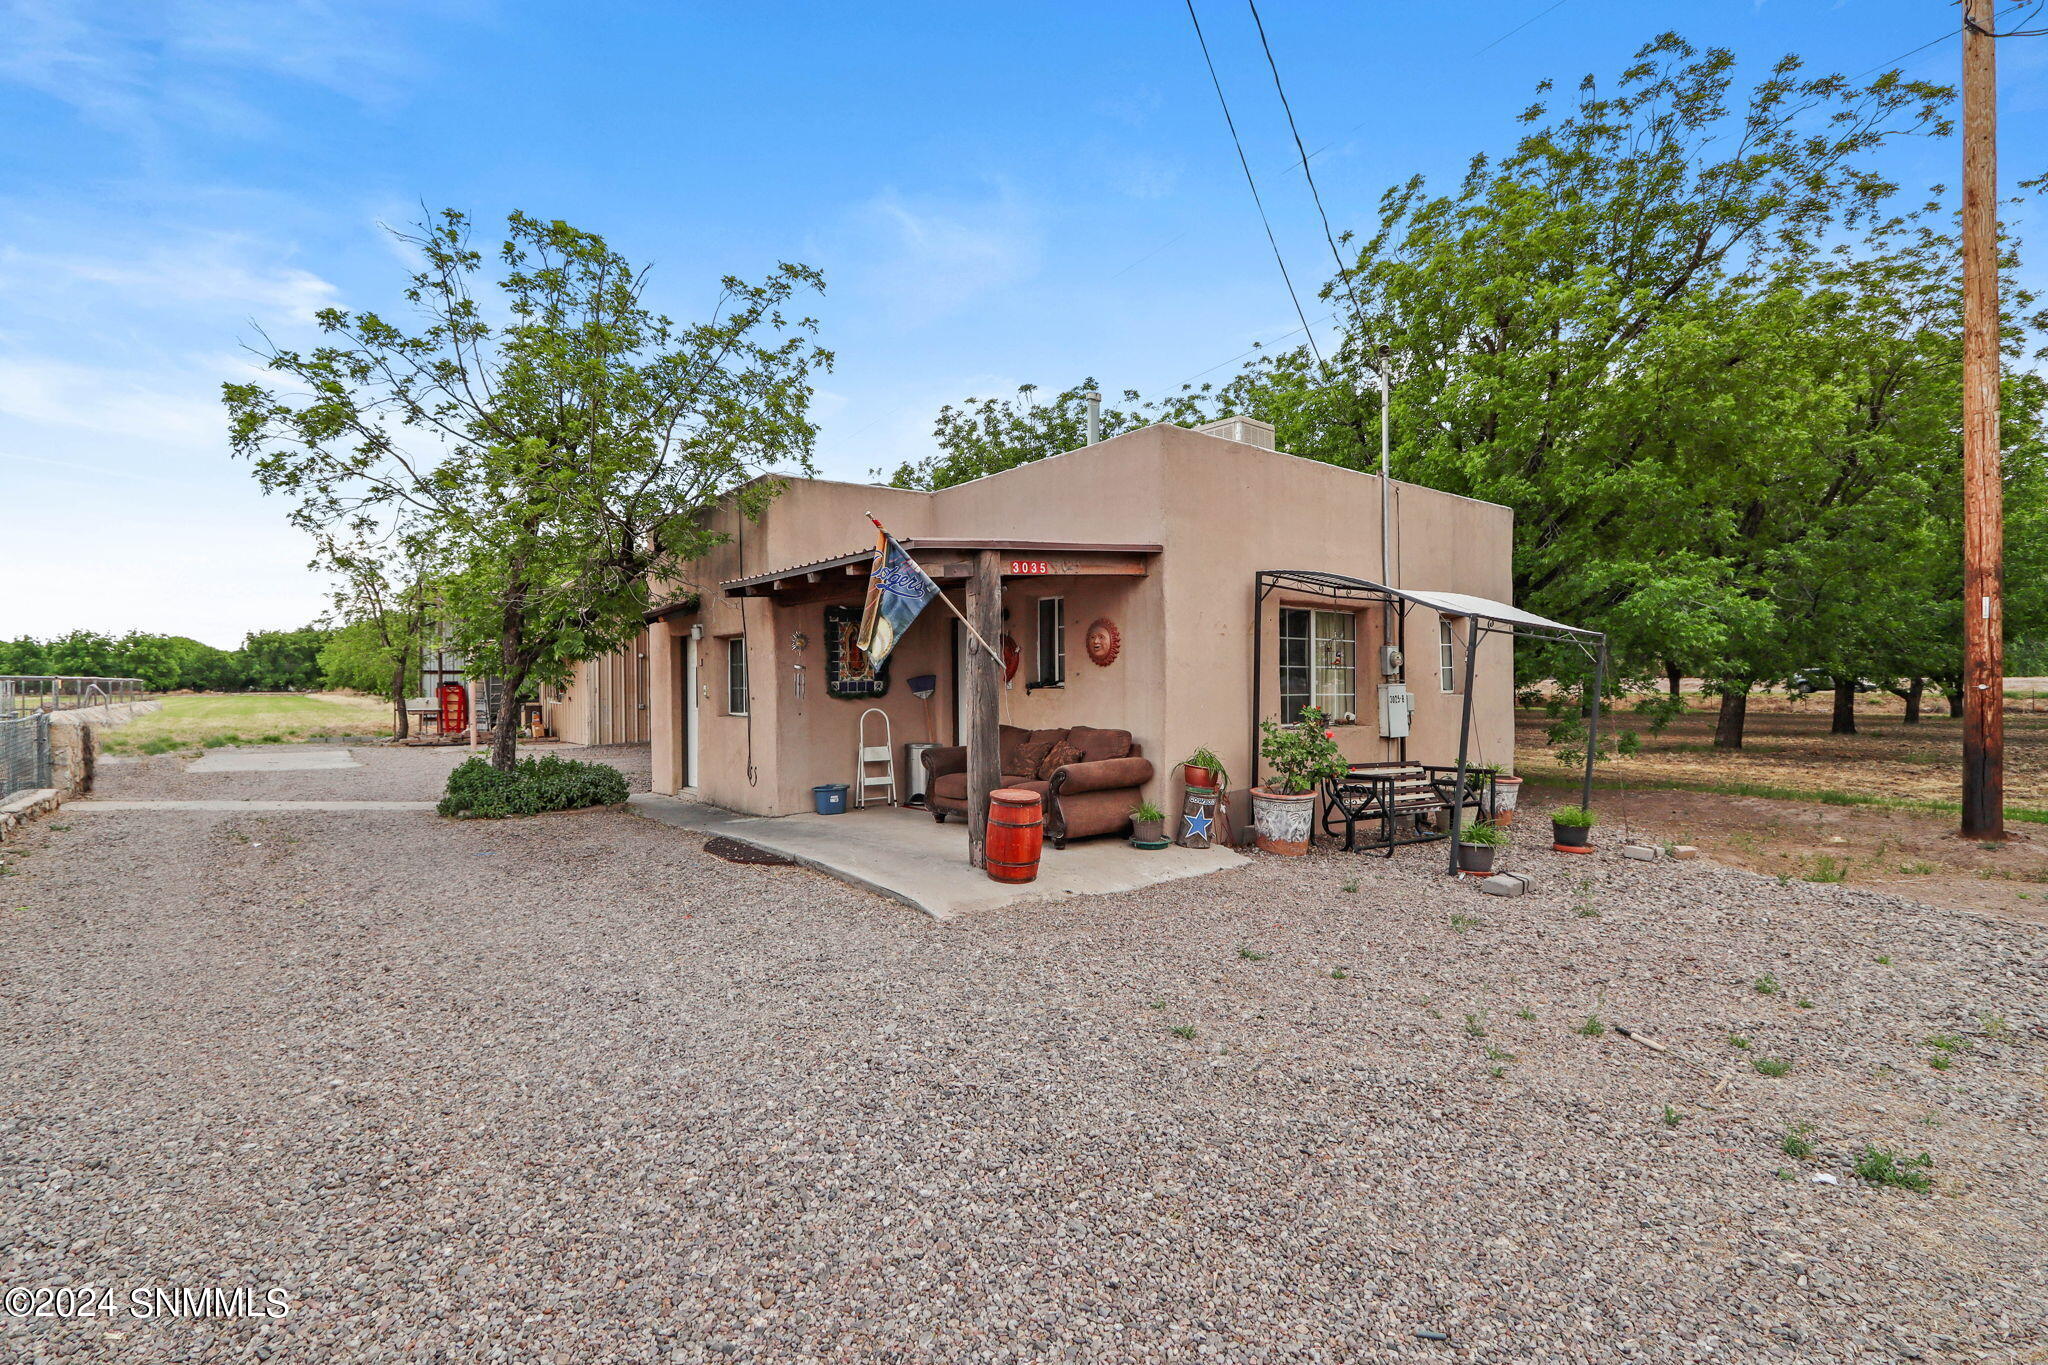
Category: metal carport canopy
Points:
column 1448, row 603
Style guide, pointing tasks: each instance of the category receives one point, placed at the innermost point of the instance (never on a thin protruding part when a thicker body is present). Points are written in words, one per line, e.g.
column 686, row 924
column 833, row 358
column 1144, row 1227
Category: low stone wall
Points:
column 25, row 806
column 74, row 742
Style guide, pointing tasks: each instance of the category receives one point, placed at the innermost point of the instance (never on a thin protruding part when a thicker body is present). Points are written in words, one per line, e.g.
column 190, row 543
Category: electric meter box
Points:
column 1397, row 710
column 1391, row 661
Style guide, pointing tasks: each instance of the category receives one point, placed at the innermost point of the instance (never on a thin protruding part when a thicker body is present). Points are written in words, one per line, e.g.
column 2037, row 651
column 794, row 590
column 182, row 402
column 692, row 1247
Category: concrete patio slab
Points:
column 91, row 805
column 278, row 760
column 905, row 855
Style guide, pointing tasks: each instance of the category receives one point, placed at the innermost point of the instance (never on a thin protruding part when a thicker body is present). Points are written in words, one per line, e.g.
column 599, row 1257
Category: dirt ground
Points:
column 1912, row 853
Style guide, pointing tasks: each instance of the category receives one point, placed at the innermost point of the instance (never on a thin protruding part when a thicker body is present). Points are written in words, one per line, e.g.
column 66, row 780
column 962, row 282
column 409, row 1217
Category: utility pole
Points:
column 1983, row 493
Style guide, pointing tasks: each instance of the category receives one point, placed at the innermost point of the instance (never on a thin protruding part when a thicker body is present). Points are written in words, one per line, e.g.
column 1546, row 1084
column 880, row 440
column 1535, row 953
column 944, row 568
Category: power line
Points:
column 1519, row 27
column 1329, row 236
column 1238, row 142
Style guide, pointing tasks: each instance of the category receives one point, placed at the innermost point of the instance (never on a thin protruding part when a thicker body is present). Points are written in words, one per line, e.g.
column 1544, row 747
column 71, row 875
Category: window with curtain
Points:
column 736, row 675
column 1318, row 662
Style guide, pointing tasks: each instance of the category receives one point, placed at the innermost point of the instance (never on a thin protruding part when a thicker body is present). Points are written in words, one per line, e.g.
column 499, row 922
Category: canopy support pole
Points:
column 1464, row 737
column 1593, row 726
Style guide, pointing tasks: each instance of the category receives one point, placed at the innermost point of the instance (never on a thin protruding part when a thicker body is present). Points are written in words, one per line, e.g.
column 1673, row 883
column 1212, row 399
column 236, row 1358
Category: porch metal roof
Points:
column 1448, row 603
column 733, row 586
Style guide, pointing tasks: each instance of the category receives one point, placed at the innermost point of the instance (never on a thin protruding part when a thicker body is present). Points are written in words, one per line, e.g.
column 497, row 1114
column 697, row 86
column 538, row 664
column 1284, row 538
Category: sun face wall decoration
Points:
column 1105, row 641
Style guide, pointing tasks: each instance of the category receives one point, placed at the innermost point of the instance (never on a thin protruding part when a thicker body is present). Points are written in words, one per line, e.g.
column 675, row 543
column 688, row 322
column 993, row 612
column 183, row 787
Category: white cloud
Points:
column 918, row 260
column 129, row 64
column 195, row 269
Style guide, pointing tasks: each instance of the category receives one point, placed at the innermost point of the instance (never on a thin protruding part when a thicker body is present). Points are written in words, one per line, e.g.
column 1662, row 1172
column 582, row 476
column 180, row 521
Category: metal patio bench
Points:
column 1392, row 794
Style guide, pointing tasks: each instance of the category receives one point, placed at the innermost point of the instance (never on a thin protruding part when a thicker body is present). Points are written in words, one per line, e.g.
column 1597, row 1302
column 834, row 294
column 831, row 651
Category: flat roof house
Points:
column 1129, row 601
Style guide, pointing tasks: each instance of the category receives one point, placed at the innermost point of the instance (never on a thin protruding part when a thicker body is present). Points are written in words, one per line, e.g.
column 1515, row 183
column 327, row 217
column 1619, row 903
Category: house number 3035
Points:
column 1024, row 566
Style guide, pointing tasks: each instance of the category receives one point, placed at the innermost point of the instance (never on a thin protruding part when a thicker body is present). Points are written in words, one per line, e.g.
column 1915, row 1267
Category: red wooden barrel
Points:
column 1016, row 834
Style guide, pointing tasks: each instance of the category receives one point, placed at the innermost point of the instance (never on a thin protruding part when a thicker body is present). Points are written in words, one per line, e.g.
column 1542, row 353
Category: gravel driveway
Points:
column 568, row 1089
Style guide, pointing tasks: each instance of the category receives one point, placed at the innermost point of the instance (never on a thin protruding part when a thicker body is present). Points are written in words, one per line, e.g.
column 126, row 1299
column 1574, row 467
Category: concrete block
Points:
column 1506, row 884
column 1646, row 853
column 1684, row 852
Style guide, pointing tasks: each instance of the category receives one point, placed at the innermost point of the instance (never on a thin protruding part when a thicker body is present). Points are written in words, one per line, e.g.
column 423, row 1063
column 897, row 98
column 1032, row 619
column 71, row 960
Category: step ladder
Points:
column 867, row 755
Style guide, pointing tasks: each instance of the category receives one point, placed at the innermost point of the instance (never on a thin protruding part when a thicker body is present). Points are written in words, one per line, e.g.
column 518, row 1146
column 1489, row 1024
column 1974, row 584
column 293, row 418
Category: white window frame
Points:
column 738, row 693
column 1052, row 663
column 1447, row 655
column 1333, row 709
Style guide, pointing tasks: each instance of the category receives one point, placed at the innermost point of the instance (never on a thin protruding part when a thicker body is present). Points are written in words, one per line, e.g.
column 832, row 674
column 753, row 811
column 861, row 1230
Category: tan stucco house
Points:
column 1151, row 540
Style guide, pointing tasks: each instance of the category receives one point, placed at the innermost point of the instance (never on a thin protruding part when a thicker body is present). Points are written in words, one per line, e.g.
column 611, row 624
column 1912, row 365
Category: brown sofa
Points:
column 1092, row 796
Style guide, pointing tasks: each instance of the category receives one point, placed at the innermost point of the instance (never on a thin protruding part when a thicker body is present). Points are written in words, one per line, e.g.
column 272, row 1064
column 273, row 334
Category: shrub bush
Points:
column 478, row 790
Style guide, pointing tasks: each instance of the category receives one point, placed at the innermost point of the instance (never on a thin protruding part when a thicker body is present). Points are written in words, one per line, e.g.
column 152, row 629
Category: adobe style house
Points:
column 1128, row 599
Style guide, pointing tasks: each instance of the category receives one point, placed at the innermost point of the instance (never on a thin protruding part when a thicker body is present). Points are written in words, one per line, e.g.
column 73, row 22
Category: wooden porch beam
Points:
column 984, row 689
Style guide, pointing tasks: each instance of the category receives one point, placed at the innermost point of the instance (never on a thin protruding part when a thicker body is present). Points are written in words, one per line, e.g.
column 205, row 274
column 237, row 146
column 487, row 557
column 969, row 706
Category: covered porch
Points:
column 920, row 864
column 1441, row 781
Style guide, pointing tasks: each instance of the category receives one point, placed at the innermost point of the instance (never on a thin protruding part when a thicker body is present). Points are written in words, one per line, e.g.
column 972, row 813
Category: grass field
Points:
column 213, row 720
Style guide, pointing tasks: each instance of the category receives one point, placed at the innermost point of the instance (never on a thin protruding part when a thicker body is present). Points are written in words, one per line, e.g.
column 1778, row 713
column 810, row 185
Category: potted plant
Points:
column 1507, row 790
column 1203, row 769
column 1571, row 829
column 1148, row 825
column 1478, row 846
column 1301, row 755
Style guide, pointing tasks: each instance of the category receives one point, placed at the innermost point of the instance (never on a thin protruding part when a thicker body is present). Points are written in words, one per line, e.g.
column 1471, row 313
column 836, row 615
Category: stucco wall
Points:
column 1221, row 509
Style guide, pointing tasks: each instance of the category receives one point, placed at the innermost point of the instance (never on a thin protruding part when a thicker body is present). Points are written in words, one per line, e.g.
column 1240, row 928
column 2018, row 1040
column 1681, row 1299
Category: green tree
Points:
column 552, row 463
column 283, row 660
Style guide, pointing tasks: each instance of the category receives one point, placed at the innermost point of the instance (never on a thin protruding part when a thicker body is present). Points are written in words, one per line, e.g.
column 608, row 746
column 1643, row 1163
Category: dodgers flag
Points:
column 898, row 589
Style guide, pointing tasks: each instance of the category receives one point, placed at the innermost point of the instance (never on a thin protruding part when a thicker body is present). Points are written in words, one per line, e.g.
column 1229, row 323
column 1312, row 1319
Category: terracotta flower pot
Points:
column 1193, row 776
column 1283, row 823
column 1507, row 794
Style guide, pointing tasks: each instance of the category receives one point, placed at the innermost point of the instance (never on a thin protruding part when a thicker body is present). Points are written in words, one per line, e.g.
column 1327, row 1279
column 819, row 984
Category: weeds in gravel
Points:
column 1804, row 1003
column 1941, row 1061
column 1592, row 1028
column 1473, row 1027
column 1672, row 1118
column 1916, row 868
column 1500, row 1054
column 1183, row 1030
column 1993, row 1026
column 1496, row 1071
column 1157, row 1004
column 1525, row 1013
column 1881, row 1167
column 1351, row 888
column 1946, row 1042
column 1586, row 911
column 1460, row 923
column 1885, row 961
column 1826, row 869
column 1766, row 985
column 1338, row 974
column 1737, row 1040
column 1771, row 1066
column 1784, row 1174
column 1795, row 1143
column 1249, row 956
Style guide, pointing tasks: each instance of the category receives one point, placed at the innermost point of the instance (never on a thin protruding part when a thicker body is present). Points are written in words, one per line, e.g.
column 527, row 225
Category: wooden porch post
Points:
column 984, row 680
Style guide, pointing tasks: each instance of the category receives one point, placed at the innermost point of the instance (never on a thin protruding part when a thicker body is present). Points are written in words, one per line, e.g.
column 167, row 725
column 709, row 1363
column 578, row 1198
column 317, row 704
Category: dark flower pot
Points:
column 1477, row 857
column 1148, row 831
column 1571, row 836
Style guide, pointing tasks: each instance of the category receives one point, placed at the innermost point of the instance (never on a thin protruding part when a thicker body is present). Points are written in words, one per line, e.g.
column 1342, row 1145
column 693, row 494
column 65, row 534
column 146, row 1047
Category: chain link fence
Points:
column 26, row 702
column 24, row 753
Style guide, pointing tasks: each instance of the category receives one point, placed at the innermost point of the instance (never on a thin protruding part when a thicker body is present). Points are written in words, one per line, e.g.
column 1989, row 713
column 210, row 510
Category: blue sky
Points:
column 996, row 194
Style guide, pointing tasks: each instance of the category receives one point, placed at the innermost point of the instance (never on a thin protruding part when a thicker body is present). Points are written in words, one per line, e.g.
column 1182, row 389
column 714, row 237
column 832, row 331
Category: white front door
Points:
column 690, row 711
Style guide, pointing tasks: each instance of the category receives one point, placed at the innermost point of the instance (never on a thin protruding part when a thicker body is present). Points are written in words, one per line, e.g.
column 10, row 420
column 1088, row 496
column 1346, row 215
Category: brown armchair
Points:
column 1093, row 796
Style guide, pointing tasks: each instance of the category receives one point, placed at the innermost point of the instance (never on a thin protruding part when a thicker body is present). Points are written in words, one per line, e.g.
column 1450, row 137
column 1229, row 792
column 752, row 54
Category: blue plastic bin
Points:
column 830, row 798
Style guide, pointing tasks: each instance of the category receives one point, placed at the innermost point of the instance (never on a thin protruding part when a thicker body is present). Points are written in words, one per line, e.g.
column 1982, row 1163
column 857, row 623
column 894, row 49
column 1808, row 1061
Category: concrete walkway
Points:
column 90, row 805
column 905, row 855
column 283, row 759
